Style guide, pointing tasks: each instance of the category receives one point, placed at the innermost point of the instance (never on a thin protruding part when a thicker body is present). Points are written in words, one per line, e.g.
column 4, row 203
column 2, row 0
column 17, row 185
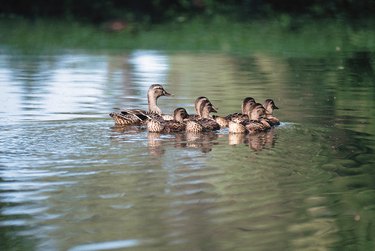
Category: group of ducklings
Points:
column 253, row 118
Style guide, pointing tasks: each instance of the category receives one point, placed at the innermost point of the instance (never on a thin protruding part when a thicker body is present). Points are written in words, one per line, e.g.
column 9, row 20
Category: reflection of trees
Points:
column 34, row 75
column 9, row 239
column 355, row 94
column 351, row 190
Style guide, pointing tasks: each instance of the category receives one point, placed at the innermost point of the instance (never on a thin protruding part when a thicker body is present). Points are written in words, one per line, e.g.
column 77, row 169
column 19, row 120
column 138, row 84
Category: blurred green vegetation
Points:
column 166, row 10
column 311, row 26
column 220, row 33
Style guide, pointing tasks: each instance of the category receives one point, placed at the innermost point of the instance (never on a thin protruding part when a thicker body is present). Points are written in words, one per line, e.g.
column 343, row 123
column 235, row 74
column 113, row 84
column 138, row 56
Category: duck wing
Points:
column 209, row 124
column 174, row 126
column 132, row 117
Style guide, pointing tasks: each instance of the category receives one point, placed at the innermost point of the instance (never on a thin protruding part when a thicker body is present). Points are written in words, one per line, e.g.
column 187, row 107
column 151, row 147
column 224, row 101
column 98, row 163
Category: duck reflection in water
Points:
column 202, row 141
column 262, row 140
column 256, row 142
column 155, row 144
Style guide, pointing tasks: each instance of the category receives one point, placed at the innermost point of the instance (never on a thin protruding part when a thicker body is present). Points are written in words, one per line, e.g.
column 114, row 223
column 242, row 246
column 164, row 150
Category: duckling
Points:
column 206, row 122
column 269, row 104
column 245, row 109
column 255, row 123
column 194, row 126
column 198, row 105
column 137, row 116
column 198, row 102
column 245, row 106
column 159, row 125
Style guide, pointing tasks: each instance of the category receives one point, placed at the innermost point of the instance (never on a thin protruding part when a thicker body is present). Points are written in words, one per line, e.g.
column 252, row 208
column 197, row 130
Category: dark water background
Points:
column 70, row 180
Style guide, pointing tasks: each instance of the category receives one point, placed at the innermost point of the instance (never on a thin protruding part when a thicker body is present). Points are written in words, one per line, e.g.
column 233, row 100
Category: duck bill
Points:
column 165, row 93
column 213, row 109
column 275, row 107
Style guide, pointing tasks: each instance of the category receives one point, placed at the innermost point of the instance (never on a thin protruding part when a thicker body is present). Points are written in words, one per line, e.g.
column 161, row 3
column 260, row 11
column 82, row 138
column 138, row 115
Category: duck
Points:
column 138, row 116
column 198, row 105
column 269, row 105
column 205, row 123
column 159, row 125
column 256, row 121
column 245, row 106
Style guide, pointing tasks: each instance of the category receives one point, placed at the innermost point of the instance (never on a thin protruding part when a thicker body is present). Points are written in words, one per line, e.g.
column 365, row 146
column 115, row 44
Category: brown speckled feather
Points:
column 126, row 119
column 158, row 124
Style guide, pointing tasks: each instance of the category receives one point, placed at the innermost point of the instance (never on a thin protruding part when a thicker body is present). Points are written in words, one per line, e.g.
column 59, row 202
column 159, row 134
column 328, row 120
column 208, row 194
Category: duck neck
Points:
column 205, row 113
column 269, row 109
column 152, row 105
column 245, row 108
column 198, row 105
column 254, row 115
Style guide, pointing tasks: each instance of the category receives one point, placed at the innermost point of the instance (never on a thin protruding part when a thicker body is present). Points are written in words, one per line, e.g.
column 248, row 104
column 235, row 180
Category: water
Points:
column 70, row 180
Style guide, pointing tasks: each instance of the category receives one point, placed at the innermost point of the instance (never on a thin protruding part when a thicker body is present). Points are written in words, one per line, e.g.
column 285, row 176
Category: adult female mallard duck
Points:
column 255, row 123
column 205, row 122
column 159, row 125
column 269, row 105
column 137, row 116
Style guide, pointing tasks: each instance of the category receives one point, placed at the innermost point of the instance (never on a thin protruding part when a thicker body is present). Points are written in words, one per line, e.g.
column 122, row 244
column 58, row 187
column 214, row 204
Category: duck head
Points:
column 199, row 102
column 154, row 92
column 246, row 104
column 180, row 114
column 157, row 91
column 206, row 108
column 257, row 112
column 269, row 104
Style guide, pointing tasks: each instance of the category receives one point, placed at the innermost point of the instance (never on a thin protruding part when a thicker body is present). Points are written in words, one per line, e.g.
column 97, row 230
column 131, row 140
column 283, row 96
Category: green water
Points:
column 70, row 180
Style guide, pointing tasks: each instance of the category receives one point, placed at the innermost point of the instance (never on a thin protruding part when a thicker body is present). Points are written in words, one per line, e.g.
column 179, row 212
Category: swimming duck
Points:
column 137, row 116
column 159, row 125
column 198, row 107
column 206, row 119
column 269, row 105
column 245, row 107
column 205, row 122
column 255, row 123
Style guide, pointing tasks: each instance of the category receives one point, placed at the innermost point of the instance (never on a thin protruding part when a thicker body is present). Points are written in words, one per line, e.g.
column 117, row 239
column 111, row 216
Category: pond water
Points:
column 70, row 180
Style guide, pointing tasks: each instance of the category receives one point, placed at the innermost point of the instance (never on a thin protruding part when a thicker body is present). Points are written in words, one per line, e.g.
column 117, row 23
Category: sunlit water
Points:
column 70, row 180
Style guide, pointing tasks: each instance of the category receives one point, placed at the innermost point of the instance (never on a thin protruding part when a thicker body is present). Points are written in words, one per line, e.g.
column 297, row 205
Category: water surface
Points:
column 70, row 180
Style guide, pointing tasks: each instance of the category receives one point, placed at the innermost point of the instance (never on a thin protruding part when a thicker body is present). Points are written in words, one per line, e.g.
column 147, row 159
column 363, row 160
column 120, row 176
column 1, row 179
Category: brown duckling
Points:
column 245, row 107
column 158, row 124
column 255, row 123
column 198, row 107
column 206, row 122
column 137, row 116
column 269, row 104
